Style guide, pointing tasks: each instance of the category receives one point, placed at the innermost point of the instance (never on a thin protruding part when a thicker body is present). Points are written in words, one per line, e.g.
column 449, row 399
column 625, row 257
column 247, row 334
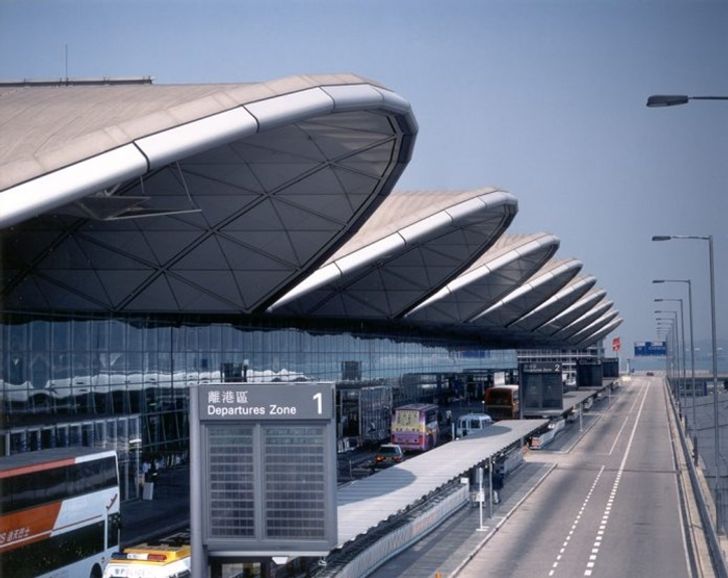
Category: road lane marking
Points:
column 626, row 419
column 615, row 486
column 576, row 521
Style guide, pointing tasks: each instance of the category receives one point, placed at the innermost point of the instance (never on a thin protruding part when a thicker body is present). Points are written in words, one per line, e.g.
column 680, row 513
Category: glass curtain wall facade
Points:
column 76, row 370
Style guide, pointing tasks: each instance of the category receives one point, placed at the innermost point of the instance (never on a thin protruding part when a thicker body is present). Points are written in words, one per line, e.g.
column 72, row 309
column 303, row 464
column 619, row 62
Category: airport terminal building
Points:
column 157, row 236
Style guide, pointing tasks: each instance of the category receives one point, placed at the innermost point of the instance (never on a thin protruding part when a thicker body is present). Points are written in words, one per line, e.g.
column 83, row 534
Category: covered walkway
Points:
column 364, row 504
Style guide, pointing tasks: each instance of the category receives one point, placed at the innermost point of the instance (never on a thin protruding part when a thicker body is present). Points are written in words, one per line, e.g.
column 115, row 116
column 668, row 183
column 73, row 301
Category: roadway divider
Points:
column 542, row 440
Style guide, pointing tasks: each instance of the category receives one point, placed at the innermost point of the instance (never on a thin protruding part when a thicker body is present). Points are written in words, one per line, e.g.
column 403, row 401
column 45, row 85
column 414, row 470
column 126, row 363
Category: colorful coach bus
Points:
column 59, row 513
column 415, row 426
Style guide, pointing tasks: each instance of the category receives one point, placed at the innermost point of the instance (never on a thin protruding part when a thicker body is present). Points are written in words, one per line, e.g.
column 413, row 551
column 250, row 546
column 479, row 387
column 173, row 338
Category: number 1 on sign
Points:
column 319, row 407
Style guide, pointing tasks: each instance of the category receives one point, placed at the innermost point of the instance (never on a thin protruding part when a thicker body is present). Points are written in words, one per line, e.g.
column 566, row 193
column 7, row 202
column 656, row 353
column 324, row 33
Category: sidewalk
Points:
column 456, row 540
column 167, row 513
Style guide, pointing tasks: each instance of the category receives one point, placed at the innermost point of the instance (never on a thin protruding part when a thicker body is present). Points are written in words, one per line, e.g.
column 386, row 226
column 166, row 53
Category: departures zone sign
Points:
column 266, row 402
column 263, row 469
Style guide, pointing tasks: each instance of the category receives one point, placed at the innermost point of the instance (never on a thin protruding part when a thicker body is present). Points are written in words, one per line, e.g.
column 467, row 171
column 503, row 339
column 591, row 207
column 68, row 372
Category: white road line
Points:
column 626, row 419
column 576, row 521
column 615, row 486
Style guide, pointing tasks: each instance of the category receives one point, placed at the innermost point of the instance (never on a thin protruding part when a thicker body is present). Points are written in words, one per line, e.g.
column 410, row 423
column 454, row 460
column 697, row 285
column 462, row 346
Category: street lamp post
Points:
column 662, row 100
column 663, row 332
column 676, row 354
column 709, row 239
column 681, row 382
column 692, row 343
column 669, row 325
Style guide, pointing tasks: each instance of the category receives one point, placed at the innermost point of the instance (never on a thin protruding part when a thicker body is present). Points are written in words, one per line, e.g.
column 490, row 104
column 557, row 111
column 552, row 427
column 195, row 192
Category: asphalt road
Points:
column 610, row 508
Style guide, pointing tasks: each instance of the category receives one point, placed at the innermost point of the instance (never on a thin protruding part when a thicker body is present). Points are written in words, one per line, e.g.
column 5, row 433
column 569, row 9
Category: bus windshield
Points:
column 408, row 420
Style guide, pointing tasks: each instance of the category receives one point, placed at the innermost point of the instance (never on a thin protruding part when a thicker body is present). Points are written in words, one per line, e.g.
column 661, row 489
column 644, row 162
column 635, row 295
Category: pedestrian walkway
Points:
column 168, row 512
column 446, row 548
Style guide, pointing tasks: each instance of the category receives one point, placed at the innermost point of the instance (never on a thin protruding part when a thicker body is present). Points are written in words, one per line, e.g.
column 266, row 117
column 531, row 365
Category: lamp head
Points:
column 658, row 100
column 658, row 280
column 661, row 237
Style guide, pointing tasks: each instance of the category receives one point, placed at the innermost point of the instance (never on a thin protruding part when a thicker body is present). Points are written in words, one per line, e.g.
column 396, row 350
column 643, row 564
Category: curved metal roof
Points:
column 600, row 334
column 593, row 327
column 570, row 294
column 573, row 312
column 410, row 247
column 567, row 332
column 188, row 198
column 512, row 260
column 542, row 285
column 224, row 198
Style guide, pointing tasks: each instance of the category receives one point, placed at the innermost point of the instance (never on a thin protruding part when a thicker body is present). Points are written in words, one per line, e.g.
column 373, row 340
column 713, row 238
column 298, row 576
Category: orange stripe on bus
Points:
column 36, row 468
column 18, row 526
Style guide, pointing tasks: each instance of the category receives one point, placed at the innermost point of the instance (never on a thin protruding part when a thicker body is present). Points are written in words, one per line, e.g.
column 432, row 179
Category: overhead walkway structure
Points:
column 366, row 503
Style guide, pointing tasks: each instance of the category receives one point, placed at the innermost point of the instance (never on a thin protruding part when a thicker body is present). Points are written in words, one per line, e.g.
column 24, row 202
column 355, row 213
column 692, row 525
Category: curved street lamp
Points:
column 661, row 100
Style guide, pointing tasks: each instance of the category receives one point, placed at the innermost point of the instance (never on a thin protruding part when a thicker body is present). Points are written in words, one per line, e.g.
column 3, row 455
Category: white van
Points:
column 472, row 423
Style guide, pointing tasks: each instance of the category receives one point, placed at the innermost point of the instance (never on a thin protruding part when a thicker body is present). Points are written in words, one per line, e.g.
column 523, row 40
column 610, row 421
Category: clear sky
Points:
column 544, row 99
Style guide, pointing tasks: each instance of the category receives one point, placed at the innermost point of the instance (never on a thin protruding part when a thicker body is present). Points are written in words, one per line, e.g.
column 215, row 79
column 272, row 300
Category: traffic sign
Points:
column 650, row 348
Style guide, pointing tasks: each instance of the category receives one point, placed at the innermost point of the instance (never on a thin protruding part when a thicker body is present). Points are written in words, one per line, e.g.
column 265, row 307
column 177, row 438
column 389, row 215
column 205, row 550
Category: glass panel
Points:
column 99, row 434
column 40, row 336
column 230, row 480
column 294, row 483
column 74, row 435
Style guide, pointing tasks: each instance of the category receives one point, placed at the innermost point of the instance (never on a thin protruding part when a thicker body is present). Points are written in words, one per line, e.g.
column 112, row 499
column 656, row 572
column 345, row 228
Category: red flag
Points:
column 616, row 344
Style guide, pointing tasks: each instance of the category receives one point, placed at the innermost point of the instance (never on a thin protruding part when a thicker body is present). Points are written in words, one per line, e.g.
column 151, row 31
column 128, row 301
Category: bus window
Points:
column 34, row 489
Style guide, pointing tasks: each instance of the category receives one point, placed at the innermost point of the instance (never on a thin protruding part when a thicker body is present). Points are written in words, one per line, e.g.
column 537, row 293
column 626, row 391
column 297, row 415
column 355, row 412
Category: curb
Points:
column 503, row 520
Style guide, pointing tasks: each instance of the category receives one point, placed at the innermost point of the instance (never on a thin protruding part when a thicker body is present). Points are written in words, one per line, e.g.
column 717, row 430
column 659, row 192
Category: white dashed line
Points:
column 615, row 486
column 576, row 521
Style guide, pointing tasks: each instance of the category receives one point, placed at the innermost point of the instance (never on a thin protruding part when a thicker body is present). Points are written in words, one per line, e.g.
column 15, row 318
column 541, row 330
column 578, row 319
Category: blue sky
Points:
column 544, row 99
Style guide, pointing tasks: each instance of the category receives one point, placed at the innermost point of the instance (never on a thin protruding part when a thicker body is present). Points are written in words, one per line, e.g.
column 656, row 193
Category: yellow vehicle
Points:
column 166, row 558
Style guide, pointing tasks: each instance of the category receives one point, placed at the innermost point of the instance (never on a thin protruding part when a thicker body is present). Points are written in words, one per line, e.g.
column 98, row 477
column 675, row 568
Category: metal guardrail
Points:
column 719, row 564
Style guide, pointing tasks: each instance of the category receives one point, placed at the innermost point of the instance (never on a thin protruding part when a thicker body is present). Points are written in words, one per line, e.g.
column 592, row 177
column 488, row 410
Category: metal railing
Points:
column 701, row 431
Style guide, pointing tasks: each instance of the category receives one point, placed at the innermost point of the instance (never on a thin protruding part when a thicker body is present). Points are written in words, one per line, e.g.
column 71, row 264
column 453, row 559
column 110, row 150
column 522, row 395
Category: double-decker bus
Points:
column 59, row 513
column 415, row 426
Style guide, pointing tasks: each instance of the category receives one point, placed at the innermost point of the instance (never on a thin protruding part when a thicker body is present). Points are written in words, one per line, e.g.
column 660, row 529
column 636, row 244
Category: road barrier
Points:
column 393, row 541
column 719, row 565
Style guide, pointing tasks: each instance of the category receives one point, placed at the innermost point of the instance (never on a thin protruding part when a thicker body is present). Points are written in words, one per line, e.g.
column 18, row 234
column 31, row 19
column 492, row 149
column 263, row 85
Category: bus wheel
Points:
column 96, row 572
